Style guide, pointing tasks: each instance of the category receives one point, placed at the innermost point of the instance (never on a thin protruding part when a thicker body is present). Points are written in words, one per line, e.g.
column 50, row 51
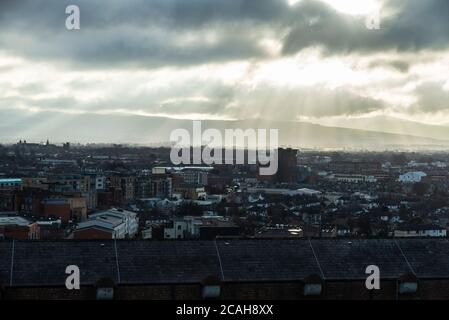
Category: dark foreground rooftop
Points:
column 43, row 263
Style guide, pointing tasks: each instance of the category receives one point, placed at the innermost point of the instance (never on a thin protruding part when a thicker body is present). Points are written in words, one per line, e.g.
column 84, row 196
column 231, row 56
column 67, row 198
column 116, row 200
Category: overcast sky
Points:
column 309, row 60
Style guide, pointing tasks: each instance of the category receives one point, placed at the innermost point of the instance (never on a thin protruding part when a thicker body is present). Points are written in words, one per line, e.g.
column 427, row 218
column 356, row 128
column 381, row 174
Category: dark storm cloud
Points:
column 138, row 33
column 169, row 13
column 144, row 33
column 147, row 34
column 122, row 48
column 417, row 25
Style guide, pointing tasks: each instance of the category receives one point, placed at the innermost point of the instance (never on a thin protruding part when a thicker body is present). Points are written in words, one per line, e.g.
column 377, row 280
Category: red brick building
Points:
column 58, row 209
column 13, row 227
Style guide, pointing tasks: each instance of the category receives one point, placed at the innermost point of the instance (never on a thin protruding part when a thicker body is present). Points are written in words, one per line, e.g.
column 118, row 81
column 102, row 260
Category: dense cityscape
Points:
column 227, row 158
column 53, row 192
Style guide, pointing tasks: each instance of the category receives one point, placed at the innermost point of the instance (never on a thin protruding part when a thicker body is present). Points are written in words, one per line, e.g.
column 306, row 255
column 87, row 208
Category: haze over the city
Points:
column 138, row 69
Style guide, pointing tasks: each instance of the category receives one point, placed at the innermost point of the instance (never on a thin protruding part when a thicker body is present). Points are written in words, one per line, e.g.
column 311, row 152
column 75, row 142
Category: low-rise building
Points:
column 191, row 192
column 191, row 227
column 412, row 177
column 14, row 227
column 10, row 184
column 415, row 231
column 110, row 224
column 101, row 228
column 66, row 208
column 352, row 178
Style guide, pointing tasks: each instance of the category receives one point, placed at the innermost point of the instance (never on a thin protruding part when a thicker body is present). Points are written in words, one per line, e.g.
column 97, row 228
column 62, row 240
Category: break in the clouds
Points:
column 228, row 59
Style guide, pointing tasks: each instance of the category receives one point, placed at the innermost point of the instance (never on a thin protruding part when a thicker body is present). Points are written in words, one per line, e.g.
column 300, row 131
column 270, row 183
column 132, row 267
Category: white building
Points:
column 125, row 223
column 178, row 231
column 115, row 226
column 100, row 183
column 10, row 183
column 287, row 192
column 412, row 177
column 189, row 226
column 352, row 178
column 420, row 231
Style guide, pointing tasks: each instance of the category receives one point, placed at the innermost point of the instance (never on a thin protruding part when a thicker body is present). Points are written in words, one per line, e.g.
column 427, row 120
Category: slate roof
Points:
column 43, row 263
column 429, row 259
column 349, row 259
column 167, row 261
column 265, row 260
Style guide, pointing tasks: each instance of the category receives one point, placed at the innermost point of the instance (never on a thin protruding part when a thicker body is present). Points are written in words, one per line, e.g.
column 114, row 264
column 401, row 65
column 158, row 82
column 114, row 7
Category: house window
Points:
column 211, row 288
column 105, row 293
column 408, row 287
column 312, row 289
column 211, row 292
column 312, row 285
column 104, row 289
column 408, row 284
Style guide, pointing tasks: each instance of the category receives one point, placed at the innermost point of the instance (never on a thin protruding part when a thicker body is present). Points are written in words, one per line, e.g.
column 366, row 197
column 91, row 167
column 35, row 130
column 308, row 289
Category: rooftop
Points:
column 13, row 220
column 33, row 263
column 107, row 222
column 10, row 181
column 118, row 213
column 419, row 227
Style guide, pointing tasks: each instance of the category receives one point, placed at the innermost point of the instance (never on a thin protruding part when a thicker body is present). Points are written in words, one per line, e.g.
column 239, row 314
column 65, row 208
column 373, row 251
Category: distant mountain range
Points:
column 395, row 125
column 86, row 128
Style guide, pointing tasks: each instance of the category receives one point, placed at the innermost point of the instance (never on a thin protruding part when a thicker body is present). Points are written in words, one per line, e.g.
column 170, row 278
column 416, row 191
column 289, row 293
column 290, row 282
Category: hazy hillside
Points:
column 395, row 125
column 59, row 127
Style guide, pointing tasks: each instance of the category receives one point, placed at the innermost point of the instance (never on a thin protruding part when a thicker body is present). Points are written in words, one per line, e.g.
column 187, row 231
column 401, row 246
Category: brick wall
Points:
column 15, row 232
column 93, row 234
column 58, row 210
